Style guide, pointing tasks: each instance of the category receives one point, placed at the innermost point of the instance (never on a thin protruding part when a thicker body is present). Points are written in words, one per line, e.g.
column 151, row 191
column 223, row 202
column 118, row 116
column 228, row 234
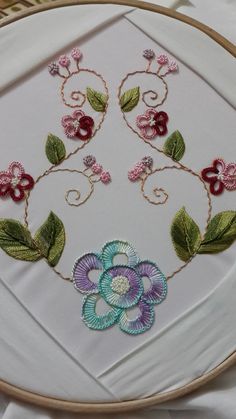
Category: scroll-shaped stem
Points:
column 163, row 195
column 78, row 201
column 77, row 95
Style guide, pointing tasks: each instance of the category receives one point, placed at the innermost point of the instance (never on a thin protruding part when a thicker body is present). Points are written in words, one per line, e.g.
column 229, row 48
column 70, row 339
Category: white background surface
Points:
column 195, row 400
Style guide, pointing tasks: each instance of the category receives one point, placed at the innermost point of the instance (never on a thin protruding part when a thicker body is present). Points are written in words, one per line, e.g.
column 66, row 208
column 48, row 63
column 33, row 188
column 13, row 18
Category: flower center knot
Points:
column 76, row 124
column 220, row 176
column 120, row 285
column 152, row 122
column 14, row 182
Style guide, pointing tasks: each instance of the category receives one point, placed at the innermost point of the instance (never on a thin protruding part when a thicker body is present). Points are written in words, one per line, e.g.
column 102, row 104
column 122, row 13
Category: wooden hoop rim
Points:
column 129, row 405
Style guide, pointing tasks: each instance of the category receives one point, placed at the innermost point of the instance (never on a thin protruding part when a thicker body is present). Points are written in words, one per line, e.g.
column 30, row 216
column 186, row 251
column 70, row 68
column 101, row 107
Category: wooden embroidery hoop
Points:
column 130, row 405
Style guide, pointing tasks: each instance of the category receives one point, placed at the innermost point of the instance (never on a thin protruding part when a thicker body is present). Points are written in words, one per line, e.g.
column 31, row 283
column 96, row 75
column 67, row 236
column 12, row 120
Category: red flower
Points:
column 78, row 125
column 220, row 175
column 152, row 123
column 15, row 181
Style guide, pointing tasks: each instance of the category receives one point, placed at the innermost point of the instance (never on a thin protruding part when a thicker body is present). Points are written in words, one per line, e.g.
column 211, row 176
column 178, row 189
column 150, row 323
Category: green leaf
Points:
column 97, row 100
column 50, row 239
column 16, row 241
column 185, row 235
column 174, row 146
column 221, row 233
column 130, row 99
column 55, row 149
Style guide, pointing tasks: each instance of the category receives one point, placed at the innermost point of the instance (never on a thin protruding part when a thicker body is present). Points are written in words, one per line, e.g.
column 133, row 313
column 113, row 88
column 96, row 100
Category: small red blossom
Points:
column 78, row 125
column 152, row 123
column 220, row 176
column 14, row 182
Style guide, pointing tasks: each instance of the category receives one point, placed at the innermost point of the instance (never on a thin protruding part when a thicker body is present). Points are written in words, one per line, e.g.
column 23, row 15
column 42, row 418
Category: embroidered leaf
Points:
column 221, row 233
column 185, row 235
column 174, row 146
column 16, row 241
column 55, row 149
column 96, row 99
column 129, row 99
column 50, row 239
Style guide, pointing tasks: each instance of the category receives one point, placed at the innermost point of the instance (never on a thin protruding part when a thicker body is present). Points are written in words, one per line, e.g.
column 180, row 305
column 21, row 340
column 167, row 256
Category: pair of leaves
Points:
column 49, row 240
column 130, row 99
column 97, row 100
column 174, row 146
column 186, row 236
column 55, row 149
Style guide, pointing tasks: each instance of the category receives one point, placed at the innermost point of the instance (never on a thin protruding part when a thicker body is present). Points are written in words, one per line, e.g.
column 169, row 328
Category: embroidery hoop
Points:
column 74, row 406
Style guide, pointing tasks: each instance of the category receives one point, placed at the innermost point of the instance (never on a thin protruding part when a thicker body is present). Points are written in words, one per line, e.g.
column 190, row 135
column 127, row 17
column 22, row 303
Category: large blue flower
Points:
column 121, row 286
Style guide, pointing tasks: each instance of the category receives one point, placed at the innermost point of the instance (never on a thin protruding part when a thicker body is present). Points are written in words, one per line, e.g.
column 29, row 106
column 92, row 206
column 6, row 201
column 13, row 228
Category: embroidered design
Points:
column 78, row 125
column 120, row 286
column 219, row 236
column 55, row 149
column 152, row 123
column 220, row 231
column 130, row 99
column 220, row 176
column 49, row 240
column 14, row 182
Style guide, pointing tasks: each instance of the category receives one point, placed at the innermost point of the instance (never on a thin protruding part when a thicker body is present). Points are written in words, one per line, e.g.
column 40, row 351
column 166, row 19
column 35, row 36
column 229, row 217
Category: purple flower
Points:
column 53, row 69
column 89, row 160
column 147, row 161
column 121, row 286
column 149, row 54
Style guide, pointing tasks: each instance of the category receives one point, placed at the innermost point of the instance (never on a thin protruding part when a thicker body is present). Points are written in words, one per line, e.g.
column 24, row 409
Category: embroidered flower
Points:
column 135, row 173
column 89, row 160
column 78, row 125
column 105, row 177
column 76, row 54
column 53, row 69
column 14, row 182
column 147, row 161
column 149, row 54
column 64, row 61
column 162, row 59
column 172, row 67
column 96, row 168
column 120, row 286
column 152, row 123
column 220, row 175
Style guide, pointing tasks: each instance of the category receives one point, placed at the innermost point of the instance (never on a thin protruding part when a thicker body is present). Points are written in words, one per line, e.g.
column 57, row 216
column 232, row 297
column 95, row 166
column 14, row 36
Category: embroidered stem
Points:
column 164, row 193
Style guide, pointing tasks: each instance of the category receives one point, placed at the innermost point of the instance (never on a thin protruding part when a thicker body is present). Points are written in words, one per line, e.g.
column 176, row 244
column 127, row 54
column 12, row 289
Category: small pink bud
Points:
column 96, row 168
column 64, row 61
column 105, row 177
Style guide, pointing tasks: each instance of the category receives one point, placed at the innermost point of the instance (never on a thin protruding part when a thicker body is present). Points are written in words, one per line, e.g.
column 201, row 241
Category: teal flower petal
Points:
column 94, row 321
column 121, row 286
column 141, row 323
column 118, row 247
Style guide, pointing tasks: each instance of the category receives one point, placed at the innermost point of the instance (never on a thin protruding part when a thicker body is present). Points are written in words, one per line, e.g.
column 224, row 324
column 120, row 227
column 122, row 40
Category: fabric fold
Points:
column 29, row 42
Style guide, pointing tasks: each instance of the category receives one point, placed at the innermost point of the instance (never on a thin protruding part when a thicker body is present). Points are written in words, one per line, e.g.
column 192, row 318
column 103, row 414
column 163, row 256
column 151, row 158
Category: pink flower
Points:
column 76, row 54
column 14, row 181
column 138, row 169
column 64, row 61
column 220, row 175
column 172, row 67
column 96, row 168
column 78, row 125
column 152, row 123
column 162, row 59
column 105, row 177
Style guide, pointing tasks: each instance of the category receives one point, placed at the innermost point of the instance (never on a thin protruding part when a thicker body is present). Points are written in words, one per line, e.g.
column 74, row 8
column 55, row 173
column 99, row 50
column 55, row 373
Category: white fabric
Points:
column 25, row 294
